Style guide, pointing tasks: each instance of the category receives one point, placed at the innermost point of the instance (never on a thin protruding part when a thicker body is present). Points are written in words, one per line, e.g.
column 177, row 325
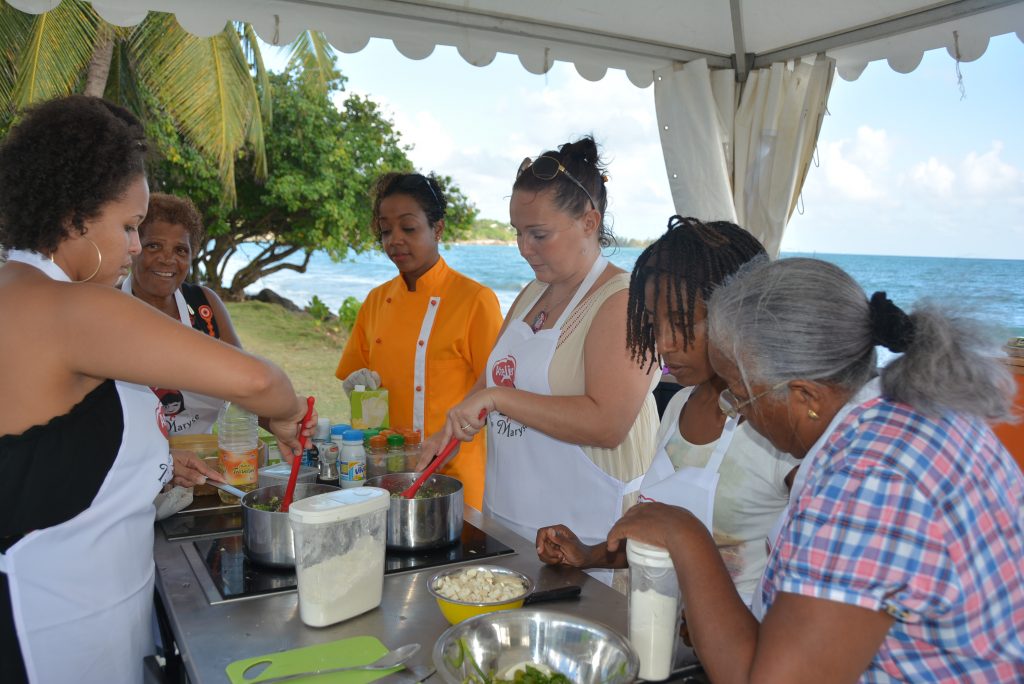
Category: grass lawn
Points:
column 306, row 350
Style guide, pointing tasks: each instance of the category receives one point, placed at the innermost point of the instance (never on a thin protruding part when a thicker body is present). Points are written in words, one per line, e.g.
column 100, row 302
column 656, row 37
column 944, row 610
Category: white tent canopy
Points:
column 740, row 85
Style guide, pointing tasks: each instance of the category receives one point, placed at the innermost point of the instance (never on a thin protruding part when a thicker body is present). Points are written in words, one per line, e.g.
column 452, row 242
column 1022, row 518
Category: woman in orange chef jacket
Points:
column 426, row 334
column 571, row 416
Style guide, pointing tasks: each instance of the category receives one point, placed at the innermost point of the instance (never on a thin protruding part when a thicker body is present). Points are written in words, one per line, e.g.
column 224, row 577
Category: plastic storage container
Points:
column 654, row 609
column 352, row 460
column 396, row 453
column 238, row 444
column 279, row 473
column 339, row 553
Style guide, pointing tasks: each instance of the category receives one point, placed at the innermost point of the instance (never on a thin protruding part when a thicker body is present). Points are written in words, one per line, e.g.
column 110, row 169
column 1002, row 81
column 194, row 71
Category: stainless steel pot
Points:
column 267, row 536
column 424, row 523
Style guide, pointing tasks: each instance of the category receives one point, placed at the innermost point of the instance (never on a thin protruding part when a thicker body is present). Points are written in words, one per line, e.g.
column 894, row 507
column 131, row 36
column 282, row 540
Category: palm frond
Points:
column 14, row 32
column 252, row 48
column 254, row 133
column 55, row 53
column 122, row 86
column 203, row 83
column 311, row 53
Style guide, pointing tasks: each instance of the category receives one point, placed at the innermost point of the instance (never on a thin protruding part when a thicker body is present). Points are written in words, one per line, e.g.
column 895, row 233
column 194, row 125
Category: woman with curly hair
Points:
column 82, row 447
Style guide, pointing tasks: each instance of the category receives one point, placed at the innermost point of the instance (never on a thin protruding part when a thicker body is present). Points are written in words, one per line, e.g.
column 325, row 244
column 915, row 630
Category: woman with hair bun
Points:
column 901, row 554
column 83, row 447
column 570, row 415
column 425, row 334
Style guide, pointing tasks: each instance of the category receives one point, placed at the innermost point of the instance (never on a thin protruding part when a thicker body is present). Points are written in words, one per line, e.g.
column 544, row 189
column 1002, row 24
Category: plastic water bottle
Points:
column 352, row 461
column 238, row 449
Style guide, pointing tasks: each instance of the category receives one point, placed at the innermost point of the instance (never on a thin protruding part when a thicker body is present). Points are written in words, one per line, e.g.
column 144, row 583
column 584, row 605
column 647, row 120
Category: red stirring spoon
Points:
column 289, row 493
column 410, row 492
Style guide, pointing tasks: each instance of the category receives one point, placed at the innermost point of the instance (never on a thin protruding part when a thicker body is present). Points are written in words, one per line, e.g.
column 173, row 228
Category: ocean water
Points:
column 990, row 290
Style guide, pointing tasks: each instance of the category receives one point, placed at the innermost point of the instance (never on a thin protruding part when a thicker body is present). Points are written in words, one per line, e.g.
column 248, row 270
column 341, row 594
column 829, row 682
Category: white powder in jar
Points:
column 653, row 627
column 342, row 586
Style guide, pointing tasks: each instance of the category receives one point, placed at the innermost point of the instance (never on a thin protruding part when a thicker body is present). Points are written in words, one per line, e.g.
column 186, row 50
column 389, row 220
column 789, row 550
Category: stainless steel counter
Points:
column 212, row 636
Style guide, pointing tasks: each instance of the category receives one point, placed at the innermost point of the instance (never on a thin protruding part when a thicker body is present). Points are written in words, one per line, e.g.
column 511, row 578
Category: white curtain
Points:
column 740, row 152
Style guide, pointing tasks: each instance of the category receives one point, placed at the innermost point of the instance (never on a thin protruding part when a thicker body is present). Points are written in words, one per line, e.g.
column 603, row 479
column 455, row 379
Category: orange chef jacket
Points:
column 429, row 347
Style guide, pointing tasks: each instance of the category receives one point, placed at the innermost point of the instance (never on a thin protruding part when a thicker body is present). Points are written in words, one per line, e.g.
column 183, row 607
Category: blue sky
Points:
column 905, row 165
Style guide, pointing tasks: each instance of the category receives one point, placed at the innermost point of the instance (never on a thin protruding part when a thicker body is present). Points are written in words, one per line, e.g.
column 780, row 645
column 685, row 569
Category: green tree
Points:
column 322, row 160
column 205, row 86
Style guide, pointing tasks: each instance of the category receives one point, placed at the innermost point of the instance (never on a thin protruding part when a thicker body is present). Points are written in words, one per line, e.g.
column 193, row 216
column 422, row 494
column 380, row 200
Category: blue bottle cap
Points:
column 340, row 429
column 353, row 436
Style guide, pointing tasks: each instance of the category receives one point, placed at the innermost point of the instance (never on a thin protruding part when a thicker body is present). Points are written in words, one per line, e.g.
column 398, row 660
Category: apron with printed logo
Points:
column 82, row 591
column 186, row 413
column 534, row 480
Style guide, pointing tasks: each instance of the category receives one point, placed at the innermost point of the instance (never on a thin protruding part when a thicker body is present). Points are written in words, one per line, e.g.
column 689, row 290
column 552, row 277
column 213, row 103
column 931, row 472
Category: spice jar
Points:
column 413, row 444
column 396, row 453
column 376, row 455
column 655, row 609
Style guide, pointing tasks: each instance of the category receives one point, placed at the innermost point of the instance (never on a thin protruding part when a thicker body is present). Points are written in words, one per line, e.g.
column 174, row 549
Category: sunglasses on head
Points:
column 546, row 168
column 412, row 182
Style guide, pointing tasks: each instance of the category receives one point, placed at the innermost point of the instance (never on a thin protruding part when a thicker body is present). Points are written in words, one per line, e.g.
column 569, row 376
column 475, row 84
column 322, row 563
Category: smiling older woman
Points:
column 901, row 556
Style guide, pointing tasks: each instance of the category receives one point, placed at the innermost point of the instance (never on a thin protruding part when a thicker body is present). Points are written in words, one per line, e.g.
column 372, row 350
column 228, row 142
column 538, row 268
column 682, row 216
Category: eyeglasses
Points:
column 731, row 406
column 546, row 168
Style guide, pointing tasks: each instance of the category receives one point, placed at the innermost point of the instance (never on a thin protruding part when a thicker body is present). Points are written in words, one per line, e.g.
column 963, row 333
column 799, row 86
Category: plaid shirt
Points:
column 923, row 518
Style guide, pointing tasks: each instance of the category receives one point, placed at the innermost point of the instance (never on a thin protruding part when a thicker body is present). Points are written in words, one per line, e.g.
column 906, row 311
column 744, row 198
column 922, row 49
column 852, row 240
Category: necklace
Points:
column 542, row 315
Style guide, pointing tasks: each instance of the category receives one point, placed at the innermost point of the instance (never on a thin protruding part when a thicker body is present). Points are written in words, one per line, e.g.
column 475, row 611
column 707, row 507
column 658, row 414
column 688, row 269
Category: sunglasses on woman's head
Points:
column 546, row 168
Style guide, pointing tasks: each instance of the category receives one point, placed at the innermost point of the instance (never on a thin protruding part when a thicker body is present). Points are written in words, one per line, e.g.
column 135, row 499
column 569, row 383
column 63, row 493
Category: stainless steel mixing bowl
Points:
column 584, row 651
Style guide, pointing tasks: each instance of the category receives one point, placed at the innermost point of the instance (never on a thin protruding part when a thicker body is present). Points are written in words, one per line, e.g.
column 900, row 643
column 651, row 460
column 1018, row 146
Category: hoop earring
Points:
column 99, row 255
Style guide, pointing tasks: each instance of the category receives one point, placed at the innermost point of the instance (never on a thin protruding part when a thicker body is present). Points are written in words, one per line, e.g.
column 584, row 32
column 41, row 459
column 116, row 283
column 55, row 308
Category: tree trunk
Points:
column 99, row 64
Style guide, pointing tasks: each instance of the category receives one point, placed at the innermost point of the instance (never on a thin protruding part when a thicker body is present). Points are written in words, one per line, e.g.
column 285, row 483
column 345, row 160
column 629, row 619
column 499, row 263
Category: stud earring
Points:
column 812, row 414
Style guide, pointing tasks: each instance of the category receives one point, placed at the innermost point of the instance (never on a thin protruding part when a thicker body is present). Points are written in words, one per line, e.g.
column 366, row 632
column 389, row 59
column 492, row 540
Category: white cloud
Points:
column 988, row 174
column 932, row 176
column 849, row 178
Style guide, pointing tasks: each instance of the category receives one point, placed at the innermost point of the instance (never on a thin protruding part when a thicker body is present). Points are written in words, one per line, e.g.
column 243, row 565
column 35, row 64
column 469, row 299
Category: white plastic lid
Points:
column 647, row 555
column 283, row 471
column 343, row 504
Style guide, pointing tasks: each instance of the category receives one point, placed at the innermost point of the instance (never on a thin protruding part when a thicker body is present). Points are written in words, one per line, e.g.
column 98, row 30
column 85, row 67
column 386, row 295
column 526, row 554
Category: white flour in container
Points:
column 653, row 626
column 342, row 586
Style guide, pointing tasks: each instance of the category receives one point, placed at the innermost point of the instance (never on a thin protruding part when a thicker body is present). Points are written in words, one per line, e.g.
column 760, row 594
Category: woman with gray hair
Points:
column 901, row 555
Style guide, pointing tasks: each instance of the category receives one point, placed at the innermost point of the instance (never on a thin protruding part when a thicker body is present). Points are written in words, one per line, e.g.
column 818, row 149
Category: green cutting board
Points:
column 354, row 651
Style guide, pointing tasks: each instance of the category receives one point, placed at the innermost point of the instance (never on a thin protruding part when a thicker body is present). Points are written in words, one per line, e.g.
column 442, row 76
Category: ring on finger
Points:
column 465, row 427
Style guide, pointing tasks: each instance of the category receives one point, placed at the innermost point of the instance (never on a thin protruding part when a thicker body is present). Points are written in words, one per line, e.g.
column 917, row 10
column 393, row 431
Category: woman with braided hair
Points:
column 901, row 554
column 723, row 471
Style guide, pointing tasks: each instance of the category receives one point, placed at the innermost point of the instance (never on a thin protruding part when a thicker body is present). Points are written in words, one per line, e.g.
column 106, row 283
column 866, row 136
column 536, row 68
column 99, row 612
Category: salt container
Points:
column 339, row 553
column 655, row 609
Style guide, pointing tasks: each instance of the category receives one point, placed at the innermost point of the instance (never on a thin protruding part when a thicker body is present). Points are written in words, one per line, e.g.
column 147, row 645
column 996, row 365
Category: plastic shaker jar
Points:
column 396, row 453
column 339, row 553
column 655, row 609
column 413, row 444
column 352, row 460
column 376, row 455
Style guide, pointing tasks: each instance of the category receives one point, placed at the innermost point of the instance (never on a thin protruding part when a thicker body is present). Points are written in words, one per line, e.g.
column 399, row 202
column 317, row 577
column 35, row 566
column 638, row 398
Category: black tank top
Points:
column 199, row 310
column 49, row 474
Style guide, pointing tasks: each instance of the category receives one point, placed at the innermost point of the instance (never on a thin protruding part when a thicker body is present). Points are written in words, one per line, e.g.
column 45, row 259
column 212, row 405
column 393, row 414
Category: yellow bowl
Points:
column 457, row 611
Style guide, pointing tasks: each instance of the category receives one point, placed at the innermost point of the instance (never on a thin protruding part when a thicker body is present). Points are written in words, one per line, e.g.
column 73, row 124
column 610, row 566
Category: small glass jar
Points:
column 376, row 455
column 396, row 453
column 413, row 444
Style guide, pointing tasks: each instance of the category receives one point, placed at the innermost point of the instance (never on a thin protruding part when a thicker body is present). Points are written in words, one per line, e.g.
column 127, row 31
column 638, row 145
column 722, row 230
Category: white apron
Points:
column 534, row 480
column 197, row 413
column 868, row 392
column 82, row 591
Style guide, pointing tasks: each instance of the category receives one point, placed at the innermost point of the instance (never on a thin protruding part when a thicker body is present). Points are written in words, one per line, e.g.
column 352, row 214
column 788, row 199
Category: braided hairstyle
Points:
column 424, row 189
column 582, row 160
column 692, row 258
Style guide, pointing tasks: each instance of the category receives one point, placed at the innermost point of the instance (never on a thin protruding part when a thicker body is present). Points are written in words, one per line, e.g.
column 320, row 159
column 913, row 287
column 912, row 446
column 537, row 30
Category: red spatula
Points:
column 410, row 492
column 289, row 493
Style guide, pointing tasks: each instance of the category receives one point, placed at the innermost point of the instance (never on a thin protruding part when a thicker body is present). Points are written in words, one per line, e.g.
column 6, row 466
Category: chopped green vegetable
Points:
column 272, row 506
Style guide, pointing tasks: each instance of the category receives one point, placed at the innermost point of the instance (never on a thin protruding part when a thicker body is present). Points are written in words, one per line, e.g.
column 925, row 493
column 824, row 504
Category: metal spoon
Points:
column 233, row 491
column 385, row 662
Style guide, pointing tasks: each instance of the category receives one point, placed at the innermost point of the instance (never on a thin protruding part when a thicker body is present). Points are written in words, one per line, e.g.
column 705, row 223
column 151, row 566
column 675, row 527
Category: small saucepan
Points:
column 432, row 520
column 266, row 534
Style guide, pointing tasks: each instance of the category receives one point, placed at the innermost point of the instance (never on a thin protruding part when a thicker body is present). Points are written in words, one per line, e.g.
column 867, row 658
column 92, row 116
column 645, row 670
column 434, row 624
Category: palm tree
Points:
column 205, row 85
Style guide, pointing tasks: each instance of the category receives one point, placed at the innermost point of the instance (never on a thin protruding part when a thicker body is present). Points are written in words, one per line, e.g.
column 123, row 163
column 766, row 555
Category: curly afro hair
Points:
column 177, row 211
column 64, row 161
